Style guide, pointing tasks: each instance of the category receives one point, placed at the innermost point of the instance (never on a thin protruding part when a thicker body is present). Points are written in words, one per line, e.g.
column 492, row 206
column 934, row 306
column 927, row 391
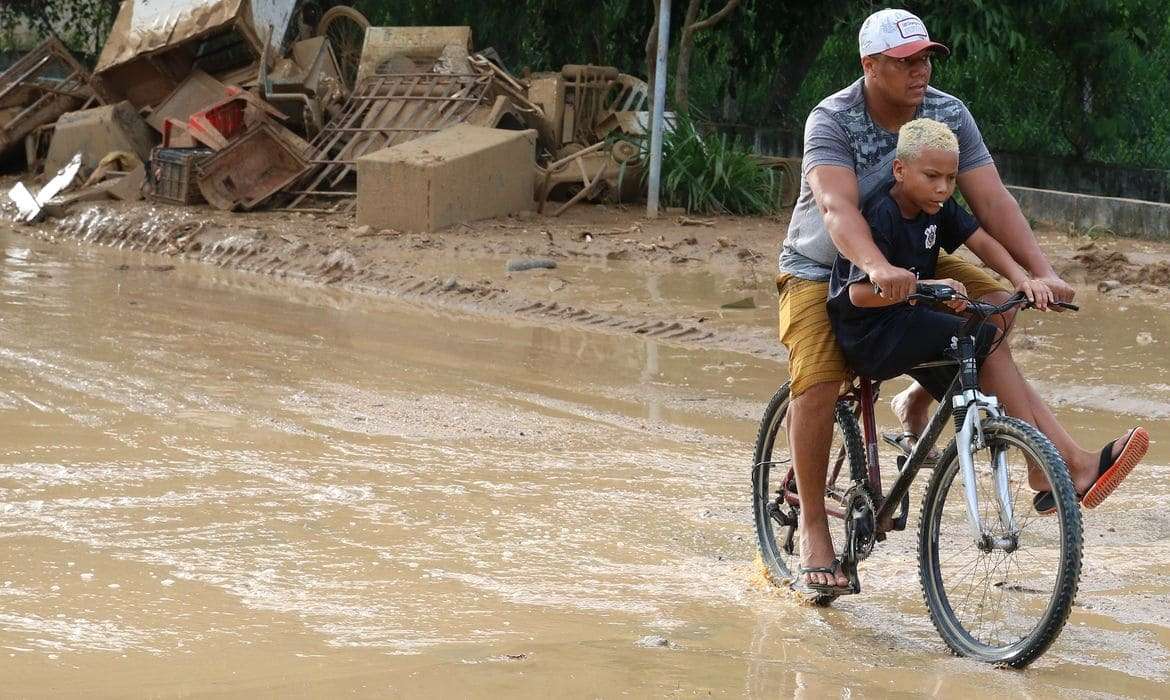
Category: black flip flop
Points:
column 1110, row 472
column 803, row 586
column 906, row 443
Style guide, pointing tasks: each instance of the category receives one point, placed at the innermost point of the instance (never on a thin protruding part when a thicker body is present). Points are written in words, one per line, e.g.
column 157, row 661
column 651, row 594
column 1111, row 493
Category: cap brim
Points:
column 914, row 47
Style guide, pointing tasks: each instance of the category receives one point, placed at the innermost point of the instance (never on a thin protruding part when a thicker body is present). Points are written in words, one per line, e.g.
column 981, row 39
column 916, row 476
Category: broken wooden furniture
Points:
column 35, row 91
column 95, row 132
column 252, row 168
column 155, row 44
column 385, row 110
column 306, row 86
column 604, row 170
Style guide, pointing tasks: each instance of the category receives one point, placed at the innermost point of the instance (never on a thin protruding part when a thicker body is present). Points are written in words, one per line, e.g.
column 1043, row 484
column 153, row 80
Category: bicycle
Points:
column 987, row 600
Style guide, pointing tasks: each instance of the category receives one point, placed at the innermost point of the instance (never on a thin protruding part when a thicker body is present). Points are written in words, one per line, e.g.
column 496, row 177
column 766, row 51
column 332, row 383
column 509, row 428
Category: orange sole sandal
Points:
column 1111, row 472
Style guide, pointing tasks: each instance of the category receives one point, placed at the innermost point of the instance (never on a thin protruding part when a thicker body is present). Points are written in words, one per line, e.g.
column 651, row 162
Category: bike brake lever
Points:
column 1061, row 304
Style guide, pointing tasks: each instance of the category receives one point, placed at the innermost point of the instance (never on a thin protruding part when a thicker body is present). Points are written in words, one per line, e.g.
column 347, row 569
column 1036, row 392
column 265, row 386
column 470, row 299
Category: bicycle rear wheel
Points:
column 774, row 487
column 1000, row 604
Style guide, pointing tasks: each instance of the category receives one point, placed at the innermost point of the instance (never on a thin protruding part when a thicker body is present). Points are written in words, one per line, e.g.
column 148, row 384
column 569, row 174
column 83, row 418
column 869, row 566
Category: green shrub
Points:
column 711, row 173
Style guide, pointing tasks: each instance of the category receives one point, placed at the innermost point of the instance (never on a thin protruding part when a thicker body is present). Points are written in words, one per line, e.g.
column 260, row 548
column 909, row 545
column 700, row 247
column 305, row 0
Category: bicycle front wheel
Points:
column 1003, row 598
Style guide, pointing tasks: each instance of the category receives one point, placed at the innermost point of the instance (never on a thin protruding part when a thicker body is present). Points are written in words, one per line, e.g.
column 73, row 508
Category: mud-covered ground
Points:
column 404, row 470
column 615, row 270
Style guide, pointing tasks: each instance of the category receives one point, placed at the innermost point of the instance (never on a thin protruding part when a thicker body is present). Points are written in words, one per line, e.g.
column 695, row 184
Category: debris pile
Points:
column 33, row 95
column 240, row 105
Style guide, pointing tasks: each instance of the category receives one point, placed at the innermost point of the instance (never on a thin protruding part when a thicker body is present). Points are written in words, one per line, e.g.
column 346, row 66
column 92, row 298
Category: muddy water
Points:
column 213, row 484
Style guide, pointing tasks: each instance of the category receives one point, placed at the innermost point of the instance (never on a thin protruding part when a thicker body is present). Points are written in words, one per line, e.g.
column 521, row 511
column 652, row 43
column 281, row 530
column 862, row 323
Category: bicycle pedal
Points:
column 790, row 540
column 850, row 571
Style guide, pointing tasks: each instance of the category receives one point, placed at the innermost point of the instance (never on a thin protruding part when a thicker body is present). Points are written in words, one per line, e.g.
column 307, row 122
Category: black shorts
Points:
column 890, row 343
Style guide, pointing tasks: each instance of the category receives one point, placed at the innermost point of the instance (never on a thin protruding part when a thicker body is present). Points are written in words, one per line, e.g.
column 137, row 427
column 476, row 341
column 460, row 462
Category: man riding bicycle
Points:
column 849, row 144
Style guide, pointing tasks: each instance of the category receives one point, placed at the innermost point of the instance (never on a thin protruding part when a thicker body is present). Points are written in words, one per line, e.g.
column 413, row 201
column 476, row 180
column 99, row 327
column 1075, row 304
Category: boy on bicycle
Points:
column 881, row 339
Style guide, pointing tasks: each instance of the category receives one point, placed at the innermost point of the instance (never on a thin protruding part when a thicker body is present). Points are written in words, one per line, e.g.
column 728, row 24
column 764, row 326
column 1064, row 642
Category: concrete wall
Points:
column 1067, row 175
column 1025, row 170
column 1124, row 217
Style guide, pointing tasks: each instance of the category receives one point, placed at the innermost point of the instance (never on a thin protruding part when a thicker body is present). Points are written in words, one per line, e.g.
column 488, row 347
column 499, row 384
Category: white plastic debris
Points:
column 31, row 207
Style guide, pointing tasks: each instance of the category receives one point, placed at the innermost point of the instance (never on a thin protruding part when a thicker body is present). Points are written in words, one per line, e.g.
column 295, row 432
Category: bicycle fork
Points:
column 971, row 404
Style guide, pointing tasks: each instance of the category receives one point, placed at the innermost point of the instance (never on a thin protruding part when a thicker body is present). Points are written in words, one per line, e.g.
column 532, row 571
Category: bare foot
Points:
column 912, row 408
column 816, row 550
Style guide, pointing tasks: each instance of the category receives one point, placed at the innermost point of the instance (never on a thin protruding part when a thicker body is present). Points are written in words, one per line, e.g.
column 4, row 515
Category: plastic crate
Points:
column 173, row 174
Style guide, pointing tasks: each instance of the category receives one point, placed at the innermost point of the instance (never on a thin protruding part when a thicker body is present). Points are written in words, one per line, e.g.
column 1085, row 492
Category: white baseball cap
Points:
column 895, row 33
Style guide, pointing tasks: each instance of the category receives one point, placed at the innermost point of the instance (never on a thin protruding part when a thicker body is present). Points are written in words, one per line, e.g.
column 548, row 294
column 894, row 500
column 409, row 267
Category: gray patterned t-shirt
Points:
column 840, row 132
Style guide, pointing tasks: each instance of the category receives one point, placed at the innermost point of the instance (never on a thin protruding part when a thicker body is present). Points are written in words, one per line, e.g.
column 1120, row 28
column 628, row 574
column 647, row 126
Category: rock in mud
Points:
column 1145, row 338
column 1108, row 285
column 522, row 264
column 745, row 303
column 653, row 641
column 363, row 230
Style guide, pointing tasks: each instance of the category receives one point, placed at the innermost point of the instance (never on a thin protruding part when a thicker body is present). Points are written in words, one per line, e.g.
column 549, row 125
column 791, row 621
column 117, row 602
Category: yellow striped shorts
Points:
column 813, row 354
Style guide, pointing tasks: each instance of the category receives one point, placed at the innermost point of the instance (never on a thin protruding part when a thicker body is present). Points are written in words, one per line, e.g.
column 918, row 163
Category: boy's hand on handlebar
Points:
column 1037, row 291
column 895, row 283
column 1061, row 291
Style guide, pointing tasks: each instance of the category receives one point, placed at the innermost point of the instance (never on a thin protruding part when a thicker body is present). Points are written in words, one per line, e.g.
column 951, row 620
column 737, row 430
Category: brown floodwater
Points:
column 216, row 484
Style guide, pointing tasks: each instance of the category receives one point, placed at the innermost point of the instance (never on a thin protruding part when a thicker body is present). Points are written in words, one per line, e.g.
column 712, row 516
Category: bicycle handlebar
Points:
column 938, row 293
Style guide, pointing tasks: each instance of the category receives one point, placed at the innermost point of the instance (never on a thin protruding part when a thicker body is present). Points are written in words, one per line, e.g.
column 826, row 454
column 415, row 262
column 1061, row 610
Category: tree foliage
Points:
column 81, row 24
column 1082, row 78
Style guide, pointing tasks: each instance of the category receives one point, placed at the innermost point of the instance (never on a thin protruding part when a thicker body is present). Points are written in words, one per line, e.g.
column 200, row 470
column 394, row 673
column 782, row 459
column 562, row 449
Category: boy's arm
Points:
column 995, row 256
column 997, row 208
column 863, row 296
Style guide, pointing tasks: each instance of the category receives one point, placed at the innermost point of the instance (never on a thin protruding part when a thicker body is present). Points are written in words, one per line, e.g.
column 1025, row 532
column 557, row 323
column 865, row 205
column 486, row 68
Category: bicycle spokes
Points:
column 1003, row 595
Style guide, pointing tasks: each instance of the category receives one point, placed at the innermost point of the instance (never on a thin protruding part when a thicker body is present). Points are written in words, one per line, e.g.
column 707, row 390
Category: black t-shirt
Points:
column 909, row 243
column 874, row 339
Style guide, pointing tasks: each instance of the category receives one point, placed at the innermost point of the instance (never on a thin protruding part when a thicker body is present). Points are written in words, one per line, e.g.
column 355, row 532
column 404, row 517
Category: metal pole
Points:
column 656, row 124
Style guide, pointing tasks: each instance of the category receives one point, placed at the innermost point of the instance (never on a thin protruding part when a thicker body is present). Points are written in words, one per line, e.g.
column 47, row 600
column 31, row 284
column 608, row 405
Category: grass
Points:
column 712, row 174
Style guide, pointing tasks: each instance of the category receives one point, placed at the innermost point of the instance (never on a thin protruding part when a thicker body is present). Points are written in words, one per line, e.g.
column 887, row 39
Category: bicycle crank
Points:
column 860, row 523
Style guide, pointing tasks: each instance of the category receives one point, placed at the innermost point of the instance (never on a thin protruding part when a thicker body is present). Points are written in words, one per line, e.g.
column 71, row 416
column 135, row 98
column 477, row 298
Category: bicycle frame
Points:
column 963, row 398
column 864, row 394
column 969, row 436
column 889, row 502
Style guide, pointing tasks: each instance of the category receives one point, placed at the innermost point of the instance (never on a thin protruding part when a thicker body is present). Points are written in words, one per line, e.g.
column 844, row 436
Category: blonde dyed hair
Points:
column 924, row 134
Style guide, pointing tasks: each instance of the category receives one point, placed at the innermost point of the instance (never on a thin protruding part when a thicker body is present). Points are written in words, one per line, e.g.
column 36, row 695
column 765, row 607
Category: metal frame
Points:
column 387, row 109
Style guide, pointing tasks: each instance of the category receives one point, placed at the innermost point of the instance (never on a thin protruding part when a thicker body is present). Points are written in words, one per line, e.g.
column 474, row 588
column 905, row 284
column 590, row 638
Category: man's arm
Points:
column 1000, row 215
column 835, row 189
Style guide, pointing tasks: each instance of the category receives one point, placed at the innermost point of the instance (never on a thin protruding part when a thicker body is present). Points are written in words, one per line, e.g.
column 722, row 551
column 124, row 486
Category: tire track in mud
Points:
column 253, row 249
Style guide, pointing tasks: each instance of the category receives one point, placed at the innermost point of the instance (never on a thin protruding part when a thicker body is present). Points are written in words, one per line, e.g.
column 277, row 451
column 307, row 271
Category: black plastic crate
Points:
column 173, row 174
